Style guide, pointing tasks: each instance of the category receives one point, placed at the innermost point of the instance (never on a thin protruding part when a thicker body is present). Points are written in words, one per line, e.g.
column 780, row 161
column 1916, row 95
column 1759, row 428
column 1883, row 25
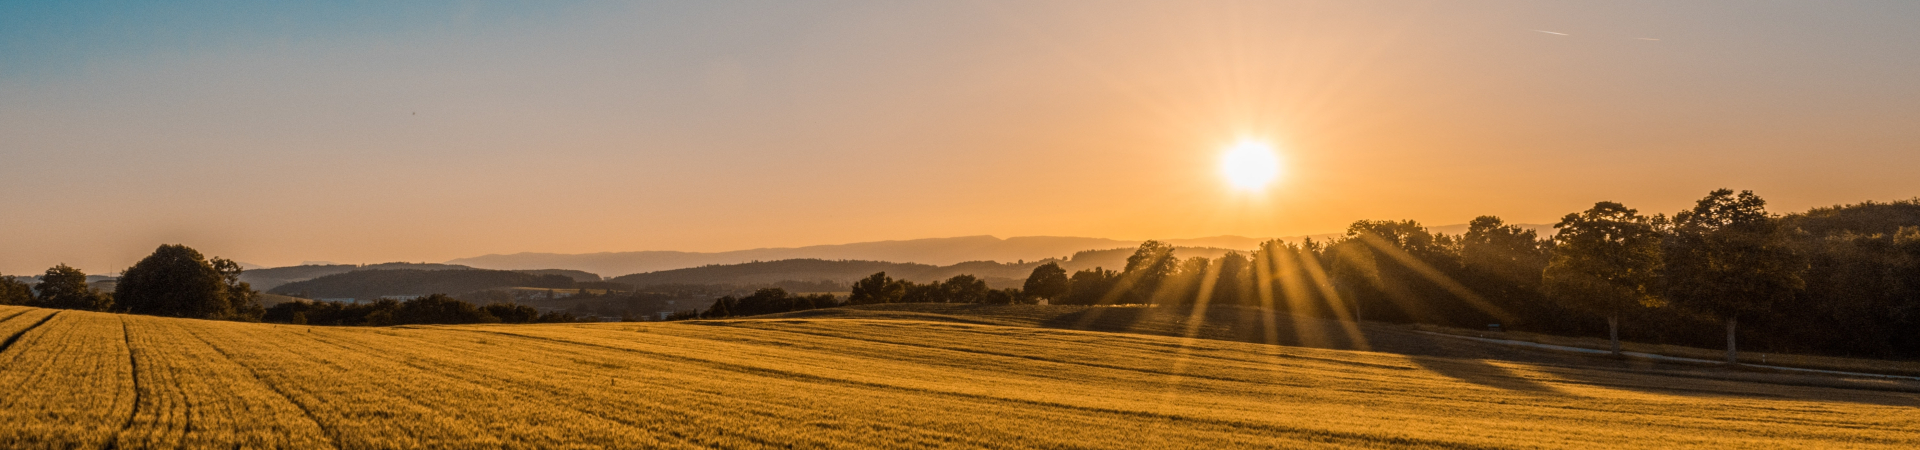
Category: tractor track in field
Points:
column 333, row 434
column 23, row 332
column 126, row 334
column 1249, row 427
column 18, row 314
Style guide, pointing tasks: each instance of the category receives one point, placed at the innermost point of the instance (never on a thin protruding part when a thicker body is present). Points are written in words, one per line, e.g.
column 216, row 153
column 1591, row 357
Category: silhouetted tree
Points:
column 1190, row 278
column 14, row 292
column 1048, row 281
column 1090, row 287
column 1147, row 270
column 240, row 294
column 177, row 281
column 963, row 289
column 1291, row 277
column 876, row 288
column 440, row 309
column 1728, row 257
column 65, row 287
column 1231, row 285
column 1505, row 263
column 512, row 313
column 1605, row 260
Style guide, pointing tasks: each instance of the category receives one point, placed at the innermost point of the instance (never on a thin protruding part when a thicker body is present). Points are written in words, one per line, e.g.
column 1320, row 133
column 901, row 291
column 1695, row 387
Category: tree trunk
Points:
column 1613, row 332
column 1732, row 354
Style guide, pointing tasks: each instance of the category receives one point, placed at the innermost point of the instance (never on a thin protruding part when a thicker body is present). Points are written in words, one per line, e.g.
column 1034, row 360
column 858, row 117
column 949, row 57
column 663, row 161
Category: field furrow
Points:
column 69, row 383
column 92, row 380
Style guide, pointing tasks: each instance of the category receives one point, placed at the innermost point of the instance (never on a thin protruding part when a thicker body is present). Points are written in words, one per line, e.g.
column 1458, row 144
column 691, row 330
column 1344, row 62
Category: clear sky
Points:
column 276, row 132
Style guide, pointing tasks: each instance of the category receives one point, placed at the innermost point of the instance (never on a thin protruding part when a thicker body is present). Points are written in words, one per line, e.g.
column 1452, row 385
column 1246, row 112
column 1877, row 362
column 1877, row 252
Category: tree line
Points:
column 435, row 309
column 1840, row 280
column 174, row 281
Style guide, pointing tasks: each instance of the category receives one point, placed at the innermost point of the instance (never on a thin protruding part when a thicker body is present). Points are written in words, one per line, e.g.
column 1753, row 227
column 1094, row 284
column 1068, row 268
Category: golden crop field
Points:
column 71, row 379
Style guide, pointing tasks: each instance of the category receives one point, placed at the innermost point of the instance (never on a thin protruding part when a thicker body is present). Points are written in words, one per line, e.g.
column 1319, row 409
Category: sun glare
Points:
column 1250, row 165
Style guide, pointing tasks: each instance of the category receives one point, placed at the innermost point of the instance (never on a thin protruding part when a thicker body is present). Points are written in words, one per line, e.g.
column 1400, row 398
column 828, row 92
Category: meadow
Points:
column 76, row 379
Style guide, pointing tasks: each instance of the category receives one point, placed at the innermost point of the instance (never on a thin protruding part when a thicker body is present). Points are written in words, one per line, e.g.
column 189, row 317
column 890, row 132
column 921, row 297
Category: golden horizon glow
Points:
column 1250, row 165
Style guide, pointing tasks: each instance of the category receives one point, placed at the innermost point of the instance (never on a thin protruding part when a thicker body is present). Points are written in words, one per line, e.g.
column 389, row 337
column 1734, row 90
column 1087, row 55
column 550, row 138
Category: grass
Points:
column 93, row 380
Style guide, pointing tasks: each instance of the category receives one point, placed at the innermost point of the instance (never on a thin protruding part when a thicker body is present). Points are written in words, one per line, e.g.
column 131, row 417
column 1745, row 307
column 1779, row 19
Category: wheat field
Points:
column 71, row 379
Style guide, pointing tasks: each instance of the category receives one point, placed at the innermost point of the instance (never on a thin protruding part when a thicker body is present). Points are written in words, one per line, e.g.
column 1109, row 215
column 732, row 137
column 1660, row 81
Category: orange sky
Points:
column 277, row 134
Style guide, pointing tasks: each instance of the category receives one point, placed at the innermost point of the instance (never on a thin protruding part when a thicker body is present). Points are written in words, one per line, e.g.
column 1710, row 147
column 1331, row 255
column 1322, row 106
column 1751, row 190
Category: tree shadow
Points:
column 1108, row 319
column 1483, row 373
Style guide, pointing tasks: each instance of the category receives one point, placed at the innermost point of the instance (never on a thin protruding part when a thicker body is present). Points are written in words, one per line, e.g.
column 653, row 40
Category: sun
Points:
column 1250, row 165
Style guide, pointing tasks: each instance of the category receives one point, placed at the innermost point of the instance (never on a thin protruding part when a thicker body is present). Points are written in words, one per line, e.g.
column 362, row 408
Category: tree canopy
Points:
column 65, row 287
column 178, row 281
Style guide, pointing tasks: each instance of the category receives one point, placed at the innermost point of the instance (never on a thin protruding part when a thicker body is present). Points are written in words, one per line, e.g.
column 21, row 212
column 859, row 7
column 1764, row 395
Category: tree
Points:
column 1605, row 260
column 1147, row 270
column 1728, row 257
column 1401, row 271
column 1089, row 287
column 1187, row 280
column 240, row 294
column 1048, row 281
column 1505, row 262
column 964, row 289
column 14, row 292
column 65, row 287
column 440, row 309
column 876, row 288
column 177, row 281
column 1231, row 285
column 512, row 313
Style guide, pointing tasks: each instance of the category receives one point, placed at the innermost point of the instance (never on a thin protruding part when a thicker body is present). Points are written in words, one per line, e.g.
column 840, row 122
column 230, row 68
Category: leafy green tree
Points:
column 65, row 287
column 177, row 281
column 14, row 292
column 1605, row 260
column 1147, row 271
column 1048, row 281
column 876, row 288
column 1728, row 257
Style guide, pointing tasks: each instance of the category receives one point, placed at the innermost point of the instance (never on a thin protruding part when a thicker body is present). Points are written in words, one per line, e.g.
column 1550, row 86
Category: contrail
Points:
column 1550, row 32
column 1647, row 39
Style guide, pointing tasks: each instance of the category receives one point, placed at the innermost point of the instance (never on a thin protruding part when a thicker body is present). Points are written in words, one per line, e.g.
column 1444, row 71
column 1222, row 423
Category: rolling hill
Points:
column 370, row 284
column 271, row 278
column 935, row 251
column 998, row 275
column 92, row 380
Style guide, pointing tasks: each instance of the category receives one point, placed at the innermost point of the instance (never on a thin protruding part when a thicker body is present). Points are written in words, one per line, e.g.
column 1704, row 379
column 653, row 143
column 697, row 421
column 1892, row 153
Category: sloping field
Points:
column 92, row 380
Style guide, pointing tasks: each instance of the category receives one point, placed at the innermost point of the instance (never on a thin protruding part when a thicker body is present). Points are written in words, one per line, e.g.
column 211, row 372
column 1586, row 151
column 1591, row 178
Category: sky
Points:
column 280, row 132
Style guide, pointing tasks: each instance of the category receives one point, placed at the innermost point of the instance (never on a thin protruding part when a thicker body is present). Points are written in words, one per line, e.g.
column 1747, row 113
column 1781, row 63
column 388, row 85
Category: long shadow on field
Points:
column 1102, row 319
column 1462, row 359
column 1483, row 373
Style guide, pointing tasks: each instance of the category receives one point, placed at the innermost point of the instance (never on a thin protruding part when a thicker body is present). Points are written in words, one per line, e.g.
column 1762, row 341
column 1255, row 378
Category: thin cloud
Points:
column 1647, row 39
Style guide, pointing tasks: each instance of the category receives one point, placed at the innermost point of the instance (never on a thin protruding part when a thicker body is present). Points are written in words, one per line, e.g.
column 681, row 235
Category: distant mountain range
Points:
column 934, row 251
